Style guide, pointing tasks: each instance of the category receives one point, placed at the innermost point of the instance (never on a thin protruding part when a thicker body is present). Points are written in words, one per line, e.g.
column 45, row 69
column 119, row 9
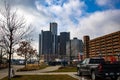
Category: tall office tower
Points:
column 53, row 29
column 40, row 45
column 64, row 38
column 58, row 45
column 76, row 48
column 45, row 44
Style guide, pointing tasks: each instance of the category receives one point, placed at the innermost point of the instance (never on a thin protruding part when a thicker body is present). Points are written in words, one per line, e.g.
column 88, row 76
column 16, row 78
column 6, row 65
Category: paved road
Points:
column 46, row 72
column 51, row 68
column 4, row 72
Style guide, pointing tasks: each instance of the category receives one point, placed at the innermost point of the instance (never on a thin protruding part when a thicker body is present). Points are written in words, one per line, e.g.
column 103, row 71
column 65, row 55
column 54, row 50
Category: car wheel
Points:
column 93, row 76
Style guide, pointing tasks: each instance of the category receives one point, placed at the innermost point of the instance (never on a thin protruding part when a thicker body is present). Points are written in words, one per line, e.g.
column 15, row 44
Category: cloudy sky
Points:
column 79, row 17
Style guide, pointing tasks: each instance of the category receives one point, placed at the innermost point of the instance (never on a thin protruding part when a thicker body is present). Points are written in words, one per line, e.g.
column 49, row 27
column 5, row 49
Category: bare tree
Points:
column 13, row 29
column 26, row 50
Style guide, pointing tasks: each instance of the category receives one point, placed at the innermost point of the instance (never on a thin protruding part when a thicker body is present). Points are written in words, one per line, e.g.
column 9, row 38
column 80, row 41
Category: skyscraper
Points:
column 64, row 38
column 76, row 48
column 53, row 29
column 45, row 43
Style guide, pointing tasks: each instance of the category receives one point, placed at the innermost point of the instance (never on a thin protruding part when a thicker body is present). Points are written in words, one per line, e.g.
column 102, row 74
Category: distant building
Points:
column 63, row 39
column 86, row 46
column 48, row 43
column 45, row 44
column 53, row 29
column 76, row 48
column 58, row 46
column 104, row 46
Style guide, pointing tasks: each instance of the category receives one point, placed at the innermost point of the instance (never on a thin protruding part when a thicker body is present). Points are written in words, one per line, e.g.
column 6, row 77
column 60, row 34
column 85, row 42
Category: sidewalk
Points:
column 4, row 72
column 46, row 72
column 40, row 72
column 51, row 68
column 72, row 74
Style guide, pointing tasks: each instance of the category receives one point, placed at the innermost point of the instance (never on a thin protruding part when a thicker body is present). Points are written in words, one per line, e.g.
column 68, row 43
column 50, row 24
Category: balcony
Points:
column 108, row 41
column 116, row 40
column 115, row 35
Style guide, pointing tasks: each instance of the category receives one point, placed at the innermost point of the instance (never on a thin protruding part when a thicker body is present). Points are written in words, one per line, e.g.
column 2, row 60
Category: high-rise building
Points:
column 86, row 46
column 76, row 48
column 45, row 44
column 53, row 29
column 104, row 46
column 63, row 39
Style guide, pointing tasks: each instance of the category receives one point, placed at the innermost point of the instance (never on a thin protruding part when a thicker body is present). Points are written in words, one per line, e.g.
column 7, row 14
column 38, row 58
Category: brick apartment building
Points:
column 104, row 46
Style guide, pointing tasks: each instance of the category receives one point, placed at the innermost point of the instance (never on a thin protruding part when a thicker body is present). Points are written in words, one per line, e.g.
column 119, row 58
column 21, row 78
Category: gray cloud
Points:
column 94, row 24
column 97, row 24
column 107, row 3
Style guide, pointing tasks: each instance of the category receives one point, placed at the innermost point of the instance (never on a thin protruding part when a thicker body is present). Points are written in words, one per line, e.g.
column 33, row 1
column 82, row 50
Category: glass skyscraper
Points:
column 64, row 38
column 53, row 29
column 45, row 43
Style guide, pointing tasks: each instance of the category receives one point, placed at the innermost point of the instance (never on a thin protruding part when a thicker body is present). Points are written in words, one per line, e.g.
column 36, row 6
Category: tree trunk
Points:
column 10, row 52
column 25, row 60
column 9, row 70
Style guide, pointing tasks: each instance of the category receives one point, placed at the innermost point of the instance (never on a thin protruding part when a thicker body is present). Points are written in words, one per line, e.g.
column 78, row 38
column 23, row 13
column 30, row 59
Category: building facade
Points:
column 76, row 48
column 86, row 46
column 45, row 44
column 51, row 45
column 53, row 29
column 63, row 39
column 104, row 46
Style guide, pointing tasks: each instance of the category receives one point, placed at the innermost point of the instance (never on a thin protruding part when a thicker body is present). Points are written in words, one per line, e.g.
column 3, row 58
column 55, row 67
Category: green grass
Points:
column 41, row 77
column 31, row 67
column 66, row 69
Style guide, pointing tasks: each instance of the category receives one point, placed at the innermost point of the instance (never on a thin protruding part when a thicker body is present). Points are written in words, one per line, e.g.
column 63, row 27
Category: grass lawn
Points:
column 41, row 77
column 66, row 69
column 31, row 67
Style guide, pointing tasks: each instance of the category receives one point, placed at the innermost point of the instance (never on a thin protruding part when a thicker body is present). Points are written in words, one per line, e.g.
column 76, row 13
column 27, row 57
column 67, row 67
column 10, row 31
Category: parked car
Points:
column 97, row 67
